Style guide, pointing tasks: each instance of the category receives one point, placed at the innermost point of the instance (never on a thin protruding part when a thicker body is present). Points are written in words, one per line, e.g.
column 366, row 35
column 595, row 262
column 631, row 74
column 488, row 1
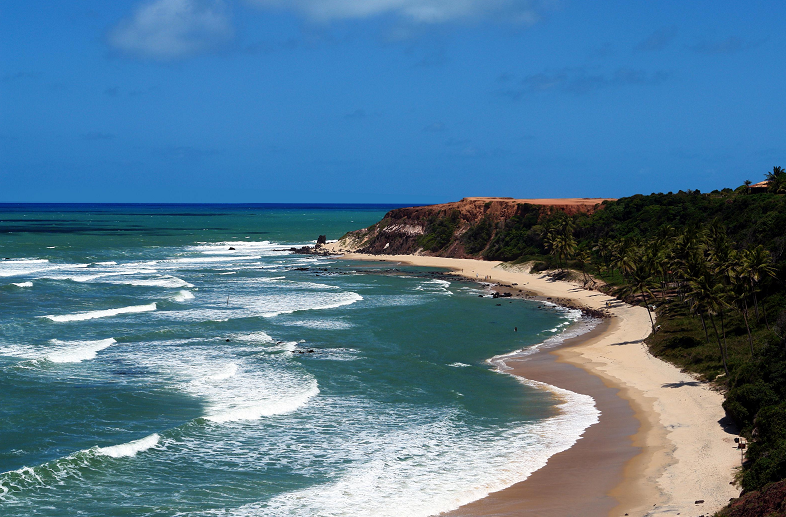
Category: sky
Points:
column 386, row 101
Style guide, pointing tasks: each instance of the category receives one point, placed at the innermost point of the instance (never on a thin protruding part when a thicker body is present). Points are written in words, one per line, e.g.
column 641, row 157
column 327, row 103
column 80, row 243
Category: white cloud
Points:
column 419, row 11
column 170, row 29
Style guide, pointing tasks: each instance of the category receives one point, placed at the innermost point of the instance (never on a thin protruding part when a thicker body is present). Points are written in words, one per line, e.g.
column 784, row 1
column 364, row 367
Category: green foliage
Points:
column 521, row 235
column 439, row 231
column 478, row 236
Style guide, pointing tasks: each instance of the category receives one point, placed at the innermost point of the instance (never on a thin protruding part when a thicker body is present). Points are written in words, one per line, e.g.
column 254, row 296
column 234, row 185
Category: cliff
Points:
column 460, row 229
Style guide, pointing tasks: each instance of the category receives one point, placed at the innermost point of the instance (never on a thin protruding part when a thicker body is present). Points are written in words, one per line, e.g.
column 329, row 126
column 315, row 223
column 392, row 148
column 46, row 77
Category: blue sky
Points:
column 412, row 101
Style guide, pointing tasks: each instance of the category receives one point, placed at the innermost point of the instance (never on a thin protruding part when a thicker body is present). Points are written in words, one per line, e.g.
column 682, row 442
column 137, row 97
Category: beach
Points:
column 663, row 445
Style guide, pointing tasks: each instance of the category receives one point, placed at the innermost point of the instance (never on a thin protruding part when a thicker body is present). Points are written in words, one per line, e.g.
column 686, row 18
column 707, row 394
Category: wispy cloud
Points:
column 418, row 11
column 579, row 81
column 729, row 45
column 171, row 29
column 658, row 40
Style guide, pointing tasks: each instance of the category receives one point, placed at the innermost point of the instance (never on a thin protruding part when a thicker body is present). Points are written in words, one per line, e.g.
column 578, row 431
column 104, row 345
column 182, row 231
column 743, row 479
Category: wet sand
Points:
column 663, row 441
column 578, row 481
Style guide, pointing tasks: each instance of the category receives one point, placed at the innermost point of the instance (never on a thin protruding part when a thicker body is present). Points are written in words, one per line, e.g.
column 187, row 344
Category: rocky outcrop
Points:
column 402, row 230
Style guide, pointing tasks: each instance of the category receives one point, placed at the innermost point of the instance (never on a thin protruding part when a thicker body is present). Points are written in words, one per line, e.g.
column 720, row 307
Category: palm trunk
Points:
column 747, row 326
column 648, row 310
column 755, row 301
column 720, row 346
column 723, row 330
column 704, row 324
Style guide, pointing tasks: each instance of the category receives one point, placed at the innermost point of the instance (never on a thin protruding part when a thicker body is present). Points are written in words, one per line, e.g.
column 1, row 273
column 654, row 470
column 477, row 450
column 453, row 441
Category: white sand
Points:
column 687, row 456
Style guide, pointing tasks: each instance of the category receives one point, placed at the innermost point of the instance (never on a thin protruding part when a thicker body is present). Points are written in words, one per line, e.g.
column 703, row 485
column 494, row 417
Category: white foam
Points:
column 23, row 284
column 58, row 351
column 183, row 296
column 320, row 324
column 458, row 365
column 162, row 281
column 130, row 449
column 254, row 337
column 253, row 410
column 434, row 467
column 77, row 351
column 305, row 303
column 228, row 371
column 82, row 316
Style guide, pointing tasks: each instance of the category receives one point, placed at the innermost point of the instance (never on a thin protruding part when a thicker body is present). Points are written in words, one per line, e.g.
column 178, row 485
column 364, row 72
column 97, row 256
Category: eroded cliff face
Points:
column 411, row 230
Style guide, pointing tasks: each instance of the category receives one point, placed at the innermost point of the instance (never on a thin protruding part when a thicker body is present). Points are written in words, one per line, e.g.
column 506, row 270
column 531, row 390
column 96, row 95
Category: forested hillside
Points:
column 712, row 265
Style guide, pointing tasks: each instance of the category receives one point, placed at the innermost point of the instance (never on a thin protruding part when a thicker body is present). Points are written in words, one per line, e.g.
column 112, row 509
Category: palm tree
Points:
column 776, row 180
column 740, row 293
column 641, row 282
column 747, row 184
column 758, row 265
column 706, row 299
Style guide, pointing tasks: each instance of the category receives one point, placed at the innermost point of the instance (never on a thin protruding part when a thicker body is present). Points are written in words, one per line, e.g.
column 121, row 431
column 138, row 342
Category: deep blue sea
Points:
column 178, row 360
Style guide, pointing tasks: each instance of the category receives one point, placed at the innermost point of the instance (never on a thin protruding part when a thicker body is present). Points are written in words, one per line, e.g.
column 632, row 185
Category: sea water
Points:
column 180, row 360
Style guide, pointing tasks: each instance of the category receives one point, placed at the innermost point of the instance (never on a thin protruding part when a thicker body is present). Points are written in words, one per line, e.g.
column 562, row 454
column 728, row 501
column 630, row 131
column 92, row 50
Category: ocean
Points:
column 178, row 360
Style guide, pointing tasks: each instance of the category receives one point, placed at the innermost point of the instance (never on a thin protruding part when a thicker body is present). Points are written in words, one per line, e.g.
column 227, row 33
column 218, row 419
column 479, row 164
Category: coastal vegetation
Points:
column 710, row 266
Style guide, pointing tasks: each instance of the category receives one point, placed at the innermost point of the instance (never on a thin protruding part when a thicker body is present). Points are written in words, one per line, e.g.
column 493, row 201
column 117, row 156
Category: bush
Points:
column 439, row 232
column 478, row 236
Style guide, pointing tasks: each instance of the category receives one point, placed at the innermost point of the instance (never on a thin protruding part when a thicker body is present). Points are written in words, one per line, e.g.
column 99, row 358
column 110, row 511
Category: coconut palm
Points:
column 706, row 299
column 640, row 281
column 776, row 180
column 757, row 265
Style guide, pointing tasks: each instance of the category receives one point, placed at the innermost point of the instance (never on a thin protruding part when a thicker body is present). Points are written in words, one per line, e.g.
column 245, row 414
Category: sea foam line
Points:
column 53, row 472
column 59, row 351
column 82, row 316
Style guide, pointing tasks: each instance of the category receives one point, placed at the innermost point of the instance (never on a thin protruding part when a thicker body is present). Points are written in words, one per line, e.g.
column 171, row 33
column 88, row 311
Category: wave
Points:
column 163, row 281
column 254, row 337
column 60, row 351
column 82, row 316
column 254, row 410
column 23, row 284
column 130, row 449
column 54, row 472
column 183, row 296
column 77, row 351
column 348, row 298
column 435, row 467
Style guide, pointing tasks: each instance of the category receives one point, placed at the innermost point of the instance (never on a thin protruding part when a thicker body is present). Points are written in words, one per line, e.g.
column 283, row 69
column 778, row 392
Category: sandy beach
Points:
column 663, row 441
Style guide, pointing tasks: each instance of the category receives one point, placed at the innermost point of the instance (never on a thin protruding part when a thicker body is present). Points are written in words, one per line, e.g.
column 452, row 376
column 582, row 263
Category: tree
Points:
column 776, row 180
column 641, row 282
column 706, row 299
column 757, row 265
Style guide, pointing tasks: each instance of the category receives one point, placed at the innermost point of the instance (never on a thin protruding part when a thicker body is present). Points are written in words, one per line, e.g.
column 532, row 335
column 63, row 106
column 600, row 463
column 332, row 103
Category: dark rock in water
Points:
column 499, row 305
column 322, row 239
column 227, row 340
column 231, row 248
column 480, row 296
column 310, row 350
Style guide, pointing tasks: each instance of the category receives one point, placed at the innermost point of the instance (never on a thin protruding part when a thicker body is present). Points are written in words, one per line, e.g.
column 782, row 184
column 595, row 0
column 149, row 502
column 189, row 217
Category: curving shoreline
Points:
column 677, row 450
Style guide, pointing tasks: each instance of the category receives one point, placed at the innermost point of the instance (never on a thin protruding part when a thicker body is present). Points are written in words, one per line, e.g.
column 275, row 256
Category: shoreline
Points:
column 684, row 449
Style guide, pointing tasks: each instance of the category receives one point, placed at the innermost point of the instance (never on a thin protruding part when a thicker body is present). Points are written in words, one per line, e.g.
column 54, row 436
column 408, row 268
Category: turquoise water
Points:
column 147, row 369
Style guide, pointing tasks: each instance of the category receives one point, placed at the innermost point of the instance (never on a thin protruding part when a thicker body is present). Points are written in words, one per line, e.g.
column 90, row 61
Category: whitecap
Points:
column 130, row 449
column 23, row 284
column 183, row 296
column 82, row 316
column 58, row 351
column 458, row 365
column 77, row 351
